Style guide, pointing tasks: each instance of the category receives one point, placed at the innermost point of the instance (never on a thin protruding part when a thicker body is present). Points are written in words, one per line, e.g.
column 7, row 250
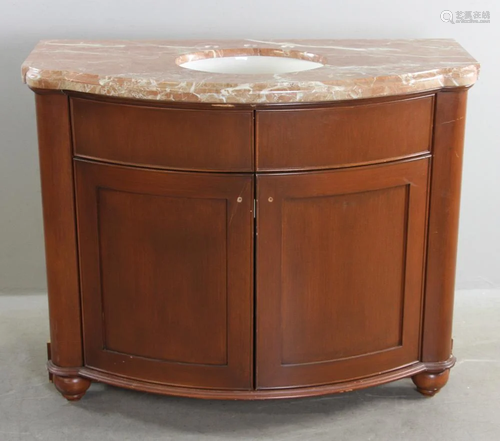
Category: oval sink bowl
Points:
column 250, row 61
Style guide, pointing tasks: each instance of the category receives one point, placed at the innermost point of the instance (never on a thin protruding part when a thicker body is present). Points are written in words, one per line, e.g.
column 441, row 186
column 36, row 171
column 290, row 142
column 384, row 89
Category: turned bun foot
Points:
column 71, row 388
column 430, row 383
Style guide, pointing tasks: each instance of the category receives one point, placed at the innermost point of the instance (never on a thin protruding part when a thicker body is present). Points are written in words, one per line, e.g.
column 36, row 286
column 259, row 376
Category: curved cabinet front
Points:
column 340, row 258
column 166, row 275
column 217, row 140
column 350, row 134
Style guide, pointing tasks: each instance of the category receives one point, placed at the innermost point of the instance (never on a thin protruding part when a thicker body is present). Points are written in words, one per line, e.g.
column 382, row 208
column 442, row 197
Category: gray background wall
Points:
column 23, row 23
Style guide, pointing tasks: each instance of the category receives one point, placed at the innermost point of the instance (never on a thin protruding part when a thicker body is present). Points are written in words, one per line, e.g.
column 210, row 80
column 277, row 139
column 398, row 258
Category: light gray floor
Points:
column 468, row 408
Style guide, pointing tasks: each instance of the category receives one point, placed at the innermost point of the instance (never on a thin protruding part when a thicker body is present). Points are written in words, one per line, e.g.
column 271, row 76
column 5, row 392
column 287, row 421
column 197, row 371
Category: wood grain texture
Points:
column 263, row 394
column 54, row 140
column 71, row 388
column 166, row 264
column 443, row 223
column 339, row 273
column 348, row 134
column 177, row 139
column 163, row 265
column 430, row 383
column 343, row 270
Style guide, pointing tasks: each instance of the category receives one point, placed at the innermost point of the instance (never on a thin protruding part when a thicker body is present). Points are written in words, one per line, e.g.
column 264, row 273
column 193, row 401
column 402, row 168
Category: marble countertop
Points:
column 353, row 69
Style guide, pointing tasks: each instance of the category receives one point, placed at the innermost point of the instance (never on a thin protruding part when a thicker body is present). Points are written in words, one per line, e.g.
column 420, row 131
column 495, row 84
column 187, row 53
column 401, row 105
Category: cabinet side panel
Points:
column 443, row 224
column 56, row 170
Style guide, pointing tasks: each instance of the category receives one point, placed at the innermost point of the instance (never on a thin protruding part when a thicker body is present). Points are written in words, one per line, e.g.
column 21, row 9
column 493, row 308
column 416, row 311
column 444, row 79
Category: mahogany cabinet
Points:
column 250, row 251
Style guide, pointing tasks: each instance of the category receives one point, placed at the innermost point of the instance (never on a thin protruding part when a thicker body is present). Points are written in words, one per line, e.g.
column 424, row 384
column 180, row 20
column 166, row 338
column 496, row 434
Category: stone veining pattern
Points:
column 150, row 70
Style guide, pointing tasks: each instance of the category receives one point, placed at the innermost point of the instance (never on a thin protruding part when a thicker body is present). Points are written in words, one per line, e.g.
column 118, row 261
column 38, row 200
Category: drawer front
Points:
column 299, row 139
column 178, row 139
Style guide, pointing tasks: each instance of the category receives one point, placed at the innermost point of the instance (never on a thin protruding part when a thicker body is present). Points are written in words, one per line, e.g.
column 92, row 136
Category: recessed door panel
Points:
column 163, row 276
column 343, row 265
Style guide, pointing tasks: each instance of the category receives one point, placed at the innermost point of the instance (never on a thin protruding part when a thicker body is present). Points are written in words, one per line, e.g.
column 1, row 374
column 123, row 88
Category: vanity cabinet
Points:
column 213, row 239
column 218, row 279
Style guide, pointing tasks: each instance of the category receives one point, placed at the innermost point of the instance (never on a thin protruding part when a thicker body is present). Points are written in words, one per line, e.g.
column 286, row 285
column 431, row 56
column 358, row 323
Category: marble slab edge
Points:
column 148, row 70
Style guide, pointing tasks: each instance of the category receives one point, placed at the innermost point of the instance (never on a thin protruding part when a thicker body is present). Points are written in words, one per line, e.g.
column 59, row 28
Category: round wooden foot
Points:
column 71, row 388
column 430, row 383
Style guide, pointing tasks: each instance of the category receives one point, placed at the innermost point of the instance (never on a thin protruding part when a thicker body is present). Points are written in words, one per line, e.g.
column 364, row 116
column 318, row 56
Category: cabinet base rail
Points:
column 73, row 382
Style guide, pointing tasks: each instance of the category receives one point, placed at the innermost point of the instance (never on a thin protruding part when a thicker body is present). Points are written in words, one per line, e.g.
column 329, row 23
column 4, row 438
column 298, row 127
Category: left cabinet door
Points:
column 166, row 261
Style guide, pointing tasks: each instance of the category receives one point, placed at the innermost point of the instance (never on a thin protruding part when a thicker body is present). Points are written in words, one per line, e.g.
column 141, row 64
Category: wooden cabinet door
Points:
column 340, row 262
column 166, row 274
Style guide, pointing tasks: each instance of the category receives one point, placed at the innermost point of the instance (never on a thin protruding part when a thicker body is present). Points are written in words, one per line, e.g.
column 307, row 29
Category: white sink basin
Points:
column 251, row 64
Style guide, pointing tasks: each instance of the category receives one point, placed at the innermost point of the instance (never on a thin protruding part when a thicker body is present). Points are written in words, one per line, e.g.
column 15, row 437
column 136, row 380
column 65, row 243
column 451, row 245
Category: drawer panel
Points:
column 180, row 139
column 317, row 138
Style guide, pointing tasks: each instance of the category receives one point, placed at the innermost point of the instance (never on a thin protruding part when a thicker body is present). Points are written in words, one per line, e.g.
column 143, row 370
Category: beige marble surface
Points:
column 353, row 69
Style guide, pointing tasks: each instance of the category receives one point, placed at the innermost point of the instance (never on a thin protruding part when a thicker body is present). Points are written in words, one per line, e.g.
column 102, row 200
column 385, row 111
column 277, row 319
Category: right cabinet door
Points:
column 340, row 267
